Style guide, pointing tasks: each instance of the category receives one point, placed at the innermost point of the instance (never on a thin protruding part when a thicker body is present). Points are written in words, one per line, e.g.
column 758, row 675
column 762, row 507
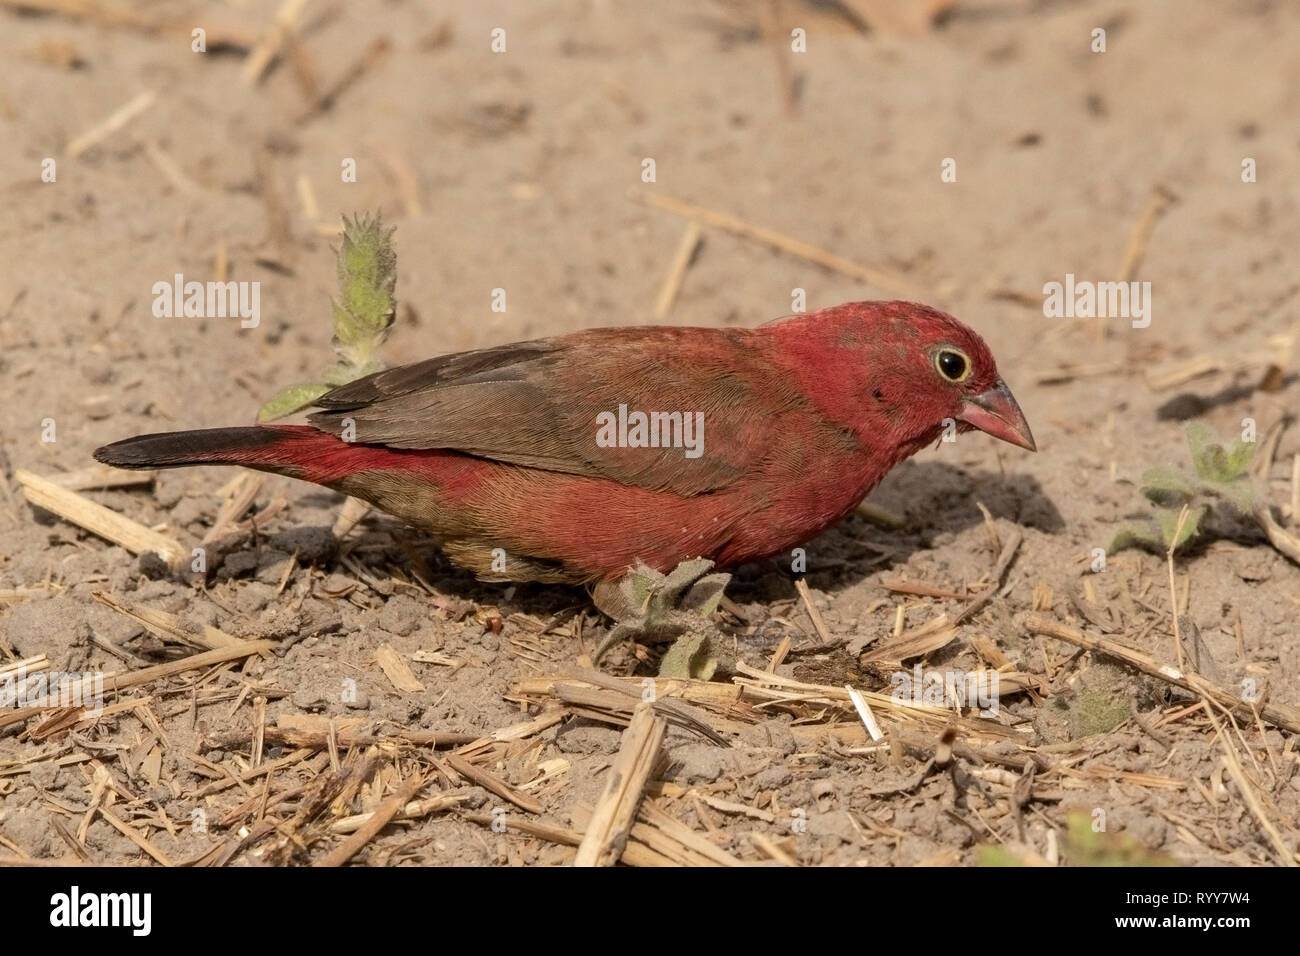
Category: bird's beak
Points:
column 996, row 413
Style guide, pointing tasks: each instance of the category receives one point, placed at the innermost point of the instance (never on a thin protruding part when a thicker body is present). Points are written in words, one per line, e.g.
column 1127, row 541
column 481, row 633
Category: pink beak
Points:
column 996, row 413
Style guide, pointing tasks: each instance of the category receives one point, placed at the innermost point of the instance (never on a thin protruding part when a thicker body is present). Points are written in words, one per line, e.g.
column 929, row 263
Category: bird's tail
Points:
column 300, row 451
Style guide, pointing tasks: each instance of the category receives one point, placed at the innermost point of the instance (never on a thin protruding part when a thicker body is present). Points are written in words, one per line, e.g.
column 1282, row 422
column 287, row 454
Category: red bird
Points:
column 582, row 454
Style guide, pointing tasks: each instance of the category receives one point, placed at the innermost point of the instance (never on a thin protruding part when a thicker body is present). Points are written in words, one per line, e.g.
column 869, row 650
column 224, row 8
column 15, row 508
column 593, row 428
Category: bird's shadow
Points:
column 931, row 498
column 1189, row 405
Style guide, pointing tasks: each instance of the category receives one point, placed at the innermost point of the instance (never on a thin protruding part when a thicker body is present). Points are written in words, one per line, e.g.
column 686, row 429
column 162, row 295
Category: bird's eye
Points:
column 952, row 364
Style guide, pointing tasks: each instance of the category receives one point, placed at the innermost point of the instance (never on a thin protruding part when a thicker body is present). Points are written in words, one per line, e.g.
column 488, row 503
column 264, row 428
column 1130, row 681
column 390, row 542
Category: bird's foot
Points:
column 677, row 607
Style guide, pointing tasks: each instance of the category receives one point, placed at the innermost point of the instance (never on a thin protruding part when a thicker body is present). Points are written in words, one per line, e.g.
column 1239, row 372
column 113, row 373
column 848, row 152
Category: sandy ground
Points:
column 512, row 171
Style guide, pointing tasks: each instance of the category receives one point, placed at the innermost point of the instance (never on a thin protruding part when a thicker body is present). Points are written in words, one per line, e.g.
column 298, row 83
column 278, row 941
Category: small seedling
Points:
column 1222, row 474
column 674, row 607
column 362, row 314
column 1082, row 845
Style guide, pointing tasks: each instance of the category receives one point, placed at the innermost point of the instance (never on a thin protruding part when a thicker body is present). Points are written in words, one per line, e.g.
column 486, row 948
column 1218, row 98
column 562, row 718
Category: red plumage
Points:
column 499, row 448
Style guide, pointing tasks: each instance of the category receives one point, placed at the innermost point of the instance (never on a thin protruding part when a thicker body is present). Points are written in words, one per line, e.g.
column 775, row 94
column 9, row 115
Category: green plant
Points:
column 362, row 314
column 1081, row 845
column 1220, row 474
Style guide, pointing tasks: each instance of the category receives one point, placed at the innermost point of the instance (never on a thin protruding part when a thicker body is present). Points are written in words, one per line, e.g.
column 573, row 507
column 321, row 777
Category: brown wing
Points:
column 536, row 404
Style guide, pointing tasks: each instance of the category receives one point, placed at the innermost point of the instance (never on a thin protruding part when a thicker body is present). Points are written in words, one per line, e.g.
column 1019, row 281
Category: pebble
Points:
column 362, row 702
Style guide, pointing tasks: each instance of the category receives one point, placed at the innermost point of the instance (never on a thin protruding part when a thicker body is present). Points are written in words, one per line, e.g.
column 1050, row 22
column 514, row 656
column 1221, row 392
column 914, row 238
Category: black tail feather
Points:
column 210, row 446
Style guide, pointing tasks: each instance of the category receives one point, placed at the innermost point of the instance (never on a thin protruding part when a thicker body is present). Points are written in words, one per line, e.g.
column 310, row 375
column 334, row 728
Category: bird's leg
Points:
column 676, row 606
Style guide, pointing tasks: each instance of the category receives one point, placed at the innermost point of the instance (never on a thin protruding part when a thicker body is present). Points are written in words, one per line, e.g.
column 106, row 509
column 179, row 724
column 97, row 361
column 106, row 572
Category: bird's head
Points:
column 907, row 369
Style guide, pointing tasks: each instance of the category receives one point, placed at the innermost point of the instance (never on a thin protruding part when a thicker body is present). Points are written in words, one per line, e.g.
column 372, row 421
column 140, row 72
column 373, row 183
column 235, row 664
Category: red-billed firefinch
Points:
column 511, row 447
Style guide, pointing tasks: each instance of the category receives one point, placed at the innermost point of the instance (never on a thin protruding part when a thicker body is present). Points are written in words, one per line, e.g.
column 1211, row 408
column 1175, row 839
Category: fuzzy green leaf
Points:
column 989, row 855
column 366, row 306
column 1167, row 519
column 1239, row 493
column 1199, row 435
column 1241, row 456
column 1086, row 846
column 1167, row 486
column 681, row 579
column 1211, row 461
column 1213, row 464
column 1131, row 537
column 289, row 400
column 706, row 594
column 689, row 658
column 639, row 588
